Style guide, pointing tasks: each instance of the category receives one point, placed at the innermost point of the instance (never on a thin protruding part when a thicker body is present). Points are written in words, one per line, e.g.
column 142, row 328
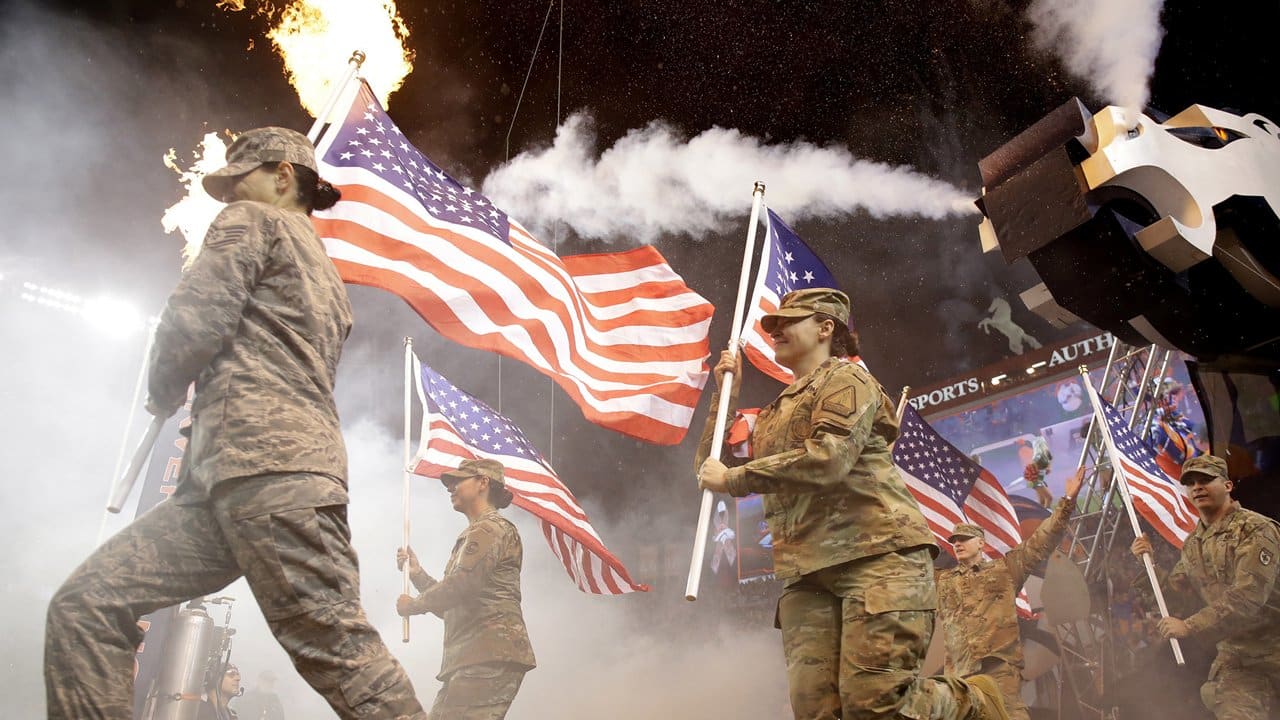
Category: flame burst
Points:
column 193, row 214
column 316, row 37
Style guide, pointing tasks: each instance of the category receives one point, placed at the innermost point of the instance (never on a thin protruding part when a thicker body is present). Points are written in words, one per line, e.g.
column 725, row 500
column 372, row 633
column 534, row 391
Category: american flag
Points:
column 457, row 426
column 1155, row 496
column 620, row 332
column 786, row 264
column 951, row 488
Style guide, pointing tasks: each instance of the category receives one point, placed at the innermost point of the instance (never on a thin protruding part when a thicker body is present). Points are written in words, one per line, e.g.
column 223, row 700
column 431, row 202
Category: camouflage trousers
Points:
column 1009, row 678
column 1241, row 688
column 854, row 636
column 478, row 692
column 298, row 561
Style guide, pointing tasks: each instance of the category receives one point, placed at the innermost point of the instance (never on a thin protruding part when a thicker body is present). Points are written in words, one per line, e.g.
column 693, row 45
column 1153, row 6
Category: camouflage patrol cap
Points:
column 480, row 467
column 803, row 303
column 258, row 146
column 966, row 530
column 1211, row 465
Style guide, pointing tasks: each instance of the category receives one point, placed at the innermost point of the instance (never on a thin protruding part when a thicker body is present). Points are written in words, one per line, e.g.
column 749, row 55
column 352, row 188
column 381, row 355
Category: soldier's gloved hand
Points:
column 713, row 476
column 1141, row 546
column 406, row 553
column 404, row 606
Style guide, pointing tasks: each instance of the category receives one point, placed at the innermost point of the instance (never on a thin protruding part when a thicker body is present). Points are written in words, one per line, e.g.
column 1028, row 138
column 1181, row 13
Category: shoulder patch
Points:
column 227, row 235
column 841, row 402
column 471, row 548
column 1265, row 557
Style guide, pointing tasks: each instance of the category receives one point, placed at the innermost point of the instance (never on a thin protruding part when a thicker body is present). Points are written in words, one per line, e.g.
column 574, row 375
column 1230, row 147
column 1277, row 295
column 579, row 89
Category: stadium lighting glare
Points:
column 112, row 316
column 109, row 315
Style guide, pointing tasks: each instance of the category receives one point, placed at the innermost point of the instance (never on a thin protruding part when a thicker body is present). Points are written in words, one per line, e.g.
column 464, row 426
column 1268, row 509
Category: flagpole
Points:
column 902, row 402
column 353, row 66
column 408, row 413
column 1118, row 478
column 722, row 411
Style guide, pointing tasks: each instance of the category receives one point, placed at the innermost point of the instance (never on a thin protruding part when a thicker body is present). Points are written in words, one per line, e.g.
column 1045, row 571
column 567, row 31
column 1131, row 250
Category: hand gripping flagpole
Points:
column 722, row 412
column 408, row 471
column 353, row 63
column 1118, row 478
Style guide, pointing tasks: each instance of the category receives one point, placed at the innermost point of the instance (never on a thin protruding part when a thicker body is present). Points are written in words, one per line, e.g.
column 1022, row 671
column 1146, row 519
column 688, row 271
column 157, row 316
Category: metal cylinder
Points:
column 178, row 689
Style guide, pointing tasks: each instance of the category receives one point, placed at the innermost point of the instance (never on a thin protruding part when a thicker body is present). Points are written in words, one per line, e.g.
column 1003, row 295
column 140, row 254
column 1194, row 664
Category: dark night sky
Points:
column 101, row 89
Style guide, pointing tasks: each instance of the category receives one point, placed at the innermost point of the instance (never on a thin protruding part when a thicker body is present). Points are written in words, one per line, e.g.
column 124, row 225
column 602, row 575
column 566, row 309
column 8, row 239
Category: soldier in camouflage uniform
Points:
column 849, row 541
column 257, row 323
column 976, row 600
column 1223, row 588
column 486, row 646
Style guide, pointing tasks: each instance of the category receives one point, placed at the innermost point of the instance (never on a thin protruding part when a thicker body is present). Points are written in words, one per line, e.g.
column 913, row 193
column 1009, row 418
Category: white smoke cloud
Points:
column 654, row 182
column 1112, row 44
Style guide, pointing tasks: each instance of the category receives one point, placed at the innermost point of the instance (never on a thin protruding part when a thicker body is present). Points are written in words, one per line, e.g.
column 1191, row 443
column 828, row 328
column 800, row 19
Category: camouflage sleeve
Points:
column 482, row 548
column 206, row 307
column 1025, row 557
column 709, row 431
column 1179, row 597
column 840, row 426
column 421, row 579
column 1253, row 579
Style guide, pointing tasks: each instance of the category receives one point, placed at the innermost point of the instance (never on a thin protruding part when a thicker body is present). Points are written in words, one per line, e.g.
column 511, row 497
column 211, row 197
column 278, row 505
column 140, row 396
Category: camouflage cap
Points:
column 1210, row 465
column 803, row 303
column 480, row 467
column 966, row 530
column 255, row 147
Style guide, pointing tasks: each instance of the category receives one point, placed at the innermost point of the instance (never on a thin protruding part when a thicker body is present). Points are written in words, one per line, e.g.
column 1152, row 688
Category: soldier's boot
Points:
column 987, row 700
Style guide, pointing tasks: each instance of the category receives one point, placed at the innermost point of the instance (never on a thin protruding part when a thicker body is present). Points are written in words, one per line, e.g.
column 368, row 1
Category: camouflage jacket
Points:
column 1224, row 583
column 831, row 491
column 976, row 603
column 257, row 322
column 479, row 597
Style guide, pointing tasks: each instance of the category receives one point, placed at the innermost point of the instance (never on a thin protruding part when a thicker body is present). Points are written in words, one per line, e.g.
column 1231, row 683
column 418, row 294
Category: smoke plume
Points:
column 654, row 182
column 1112, row 44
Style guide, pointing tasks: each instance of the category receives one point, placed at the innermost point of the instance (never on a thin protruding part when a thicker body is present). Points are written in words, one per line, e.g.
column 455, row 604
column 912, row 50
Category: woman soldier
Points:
column 849, row 543
column 486, row 645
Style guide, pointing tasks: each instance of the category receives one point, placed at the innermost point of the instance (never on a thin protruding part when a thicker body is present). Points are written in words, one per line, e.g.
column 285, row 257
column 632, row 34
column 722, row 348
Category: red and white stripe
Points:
column 620, row 332
column 1168, row 510
column 537, row 489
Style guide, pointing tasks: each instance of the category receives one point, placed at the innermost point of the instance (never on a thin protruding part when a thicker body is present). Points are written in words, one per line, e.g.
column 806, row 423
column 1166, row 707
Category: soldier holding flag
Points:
column 849, row 541
column 1224, row 588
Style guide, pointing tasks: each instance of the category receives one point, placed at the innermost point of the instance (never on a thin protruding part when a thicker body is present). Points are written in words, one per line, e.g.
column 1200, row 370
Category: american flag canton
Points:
column 923, row 453
column 1129, row 444
column 369, row 140
column 792, row 265
column 476, row 422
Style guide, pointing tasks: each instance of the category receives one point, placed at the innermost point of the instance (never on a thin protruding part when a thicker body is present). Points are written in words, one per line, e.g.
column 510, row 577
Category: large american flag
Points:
column 457, row 426
column 620, row 332
column 1155, row 496
column 786, row 264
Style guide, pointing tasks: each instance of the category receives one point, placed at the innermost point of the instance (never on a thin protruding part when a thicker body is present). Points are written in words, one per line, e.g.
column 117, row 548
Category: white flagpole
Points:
column 408, row 471
column 1118, row 477
column 353, row 67
column 717, row 441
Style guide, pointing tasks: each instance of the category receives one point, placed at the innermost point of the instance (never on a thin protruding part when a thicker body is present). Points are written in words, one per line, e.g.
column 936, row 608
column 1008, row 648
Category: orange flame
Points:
column 193, row 214
column 315, row 38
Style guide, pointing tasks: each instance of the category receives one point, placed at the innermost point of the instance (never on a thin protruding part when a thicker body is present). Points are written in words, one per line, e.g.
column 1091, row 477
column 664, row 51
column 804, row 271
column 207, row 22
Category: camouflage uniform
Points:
column 1223, row 585
column 486, row 646
column 258, row 324
column 849, row 543
column 977, row 608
